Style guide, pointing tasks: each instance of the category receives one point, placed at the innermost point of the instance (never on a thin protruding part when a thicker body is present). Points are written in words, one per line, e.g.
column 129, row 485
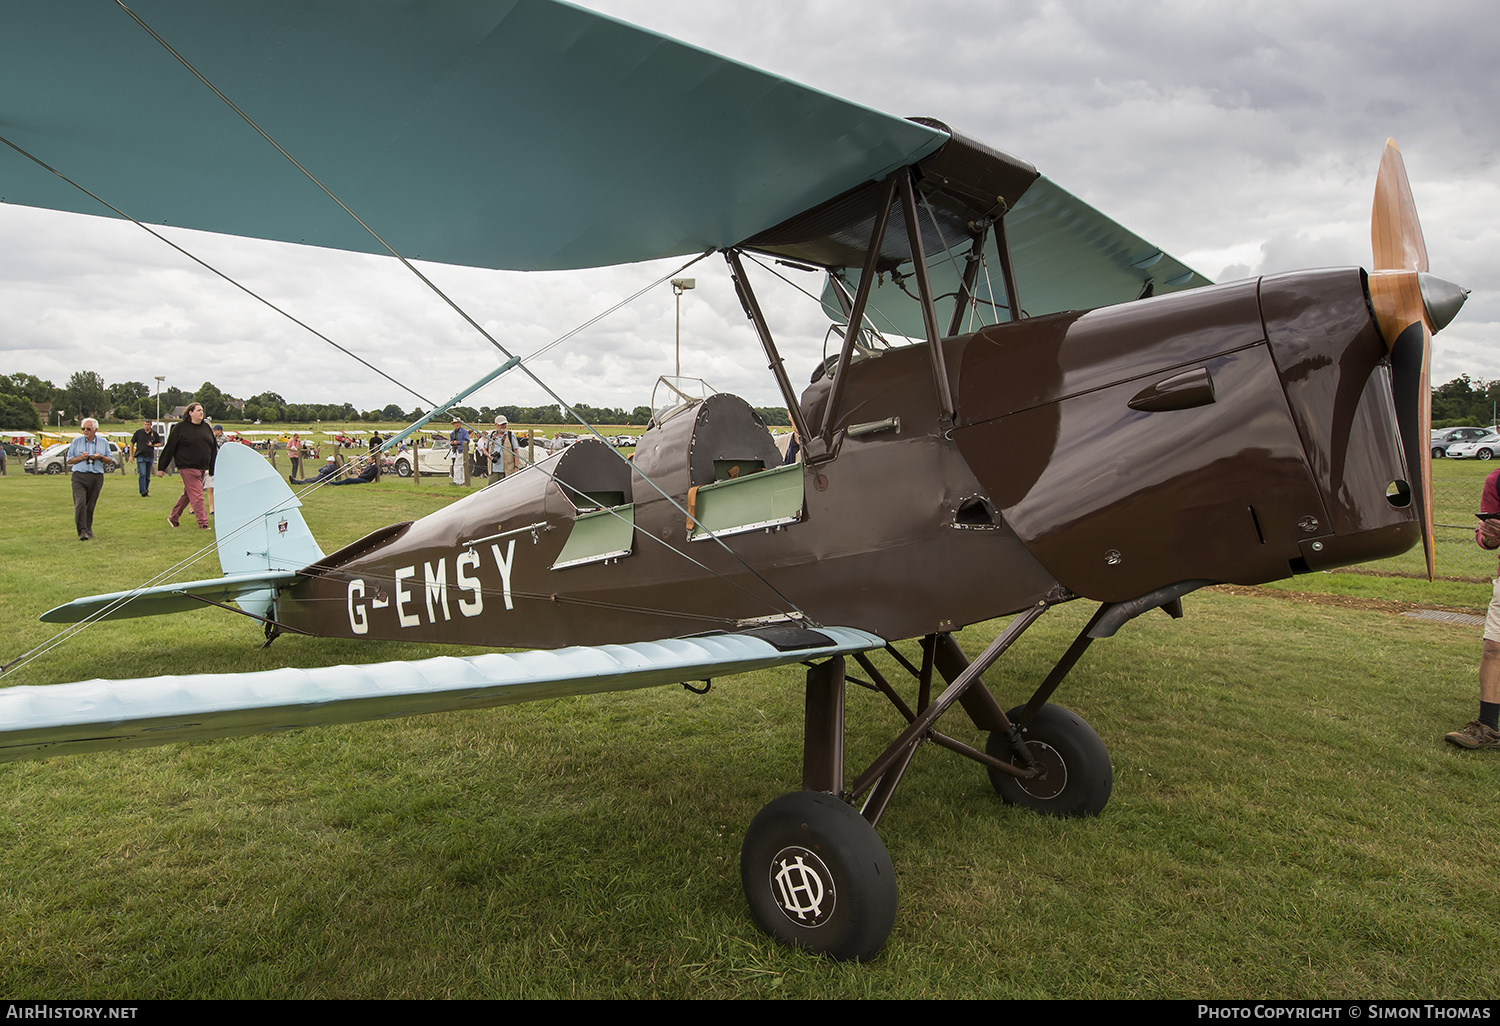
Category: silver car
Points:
column 54, row 459
column 1484, row 448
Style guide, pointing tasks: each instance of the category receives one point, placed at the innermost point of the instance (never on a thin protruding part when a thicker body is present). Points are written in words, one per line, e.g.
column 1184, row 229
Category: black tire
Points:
column 1437, row 453
column 811, row 842
column 1485, row 454
column 403, row 468
column 54, row 468
column 1079, row 776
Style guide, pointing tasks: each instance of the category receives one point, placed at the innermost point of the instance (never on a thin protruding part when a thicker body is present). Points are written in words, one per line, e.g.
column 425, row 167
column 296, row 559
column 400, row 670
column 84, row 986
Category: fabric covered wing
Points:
column 99, row 715
column 523, row 134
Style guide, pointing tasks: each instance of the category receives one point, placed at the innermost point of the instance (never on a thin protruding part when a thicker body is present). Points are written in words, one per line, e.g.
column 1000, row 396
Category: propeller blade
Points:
column 1411, row 359
column 1395, row 232
column 1396, row 296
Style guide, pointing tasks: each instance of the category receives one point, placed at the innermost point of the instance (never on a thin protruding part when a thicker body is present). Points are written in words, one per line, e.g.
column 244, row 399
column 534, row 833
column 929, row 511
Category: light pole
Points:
column 679, row 286
column 159, row 379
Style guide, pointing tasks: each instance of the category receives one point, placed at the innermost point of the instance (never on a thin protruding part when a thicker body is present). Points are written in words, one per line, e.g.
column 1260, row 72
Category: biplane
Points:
column 999, row 343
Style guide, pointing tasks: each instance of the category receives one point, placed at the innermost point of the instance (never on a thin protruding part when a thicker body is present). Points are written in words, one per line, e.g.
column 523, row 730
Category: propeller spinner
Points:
column 1410, row 305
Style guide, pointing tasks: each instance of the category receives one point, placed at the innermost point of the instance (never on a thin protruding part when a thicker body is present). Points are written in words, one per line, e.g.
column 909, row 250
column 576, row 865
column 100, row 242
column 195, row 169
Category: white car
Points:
column 435, row 460
column 1476, row 448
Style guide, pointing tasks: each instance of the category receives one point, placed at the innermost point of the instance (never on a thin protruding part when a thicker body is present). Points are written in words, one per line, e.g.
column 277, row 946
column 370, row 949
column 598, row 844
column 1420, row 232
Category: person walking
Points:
column 89, row 457
column 143, row 447
column 192, row 447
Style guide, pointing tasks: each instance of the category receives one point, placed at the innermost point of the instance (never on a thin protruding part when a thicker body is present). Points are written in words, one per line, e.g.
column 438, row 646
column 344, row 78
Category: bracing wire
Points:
column 566, row 407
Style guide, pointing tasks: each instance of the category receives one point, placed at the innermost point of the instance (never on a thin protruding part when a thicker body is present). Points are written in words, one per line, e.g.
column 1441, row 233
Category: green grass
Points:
column 1286, row 821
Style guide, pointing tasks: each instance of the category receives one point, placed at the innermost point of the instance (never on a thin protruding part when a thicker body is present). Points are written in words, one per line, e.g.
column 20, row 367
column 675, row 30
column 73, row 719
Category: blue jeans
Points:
column 143, row 468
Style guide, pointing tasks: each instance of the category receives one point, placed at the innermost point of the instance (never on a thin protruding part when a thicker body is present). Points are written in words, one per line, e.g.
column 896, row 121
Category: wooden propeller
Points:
column 1409, row 306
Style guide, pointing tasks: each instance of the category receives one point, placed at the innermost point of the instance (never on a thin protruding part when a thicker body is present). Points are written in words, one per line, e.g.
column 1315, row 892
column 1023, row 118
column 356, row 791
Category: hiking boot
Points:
column 1475, row 735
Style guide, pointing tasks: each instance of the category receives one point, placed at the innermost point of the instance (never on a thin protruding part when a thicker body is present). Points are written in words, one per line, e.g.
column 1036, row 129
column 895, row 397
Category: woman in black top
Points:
column 192, row 446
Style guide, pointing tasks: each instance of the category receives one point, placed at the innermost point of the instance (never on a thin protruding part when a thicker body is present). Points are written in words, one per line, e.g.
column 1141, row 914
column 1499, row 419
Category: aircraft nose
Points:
column 1442, row 298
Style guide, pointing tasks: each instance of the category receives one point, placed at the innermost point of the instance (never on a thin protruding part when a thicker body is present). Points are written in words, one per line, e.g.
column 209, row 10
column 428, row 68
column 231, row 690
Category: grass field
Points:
column 1286, row 821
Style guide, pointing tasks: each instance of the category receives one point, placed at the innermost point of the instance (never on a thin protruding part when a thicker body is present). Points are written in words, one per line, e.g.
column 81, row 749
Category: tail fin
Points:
column 256, row 521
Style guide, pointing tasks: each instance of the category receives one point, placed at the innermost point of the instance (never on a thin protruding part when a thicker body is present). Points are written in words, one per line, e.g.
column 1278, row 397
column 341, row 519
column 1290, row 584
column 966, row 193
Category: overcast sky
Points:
column 1242, row 139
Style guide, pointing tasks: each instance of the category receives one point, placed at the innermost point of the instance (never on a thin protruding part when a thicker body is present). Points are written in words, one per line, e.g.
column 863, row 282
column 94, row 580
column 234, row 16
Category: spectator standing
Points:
column 89, row 457
column 458, row 452
column 504, row 450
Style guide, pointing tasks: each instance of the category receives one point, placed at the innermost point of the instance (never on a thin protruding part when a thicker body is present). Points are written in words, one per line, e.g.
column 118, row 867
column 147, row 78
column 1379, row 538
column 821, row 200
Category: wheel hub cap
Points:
column 802, row 886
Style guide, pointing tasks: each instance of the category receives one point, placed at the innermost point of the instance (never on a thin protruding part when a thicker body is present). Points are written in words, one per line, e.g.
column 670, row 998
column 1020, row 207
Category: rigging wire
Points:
column 74, row 629
column 566, row 407
column 210, row 267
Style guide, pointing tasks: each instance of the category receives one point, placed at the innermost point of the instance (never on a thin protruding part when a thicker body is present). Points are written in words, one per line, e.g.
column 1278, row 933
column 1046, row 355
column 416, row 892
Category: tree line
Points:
column 1464, row 401
column 86, row 395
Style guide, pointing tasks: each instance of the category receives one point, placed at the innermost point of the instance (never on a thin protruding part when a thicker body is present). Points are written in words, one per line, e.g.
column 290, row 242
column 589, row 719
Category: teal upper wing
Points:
column 1067, row 256
column 523, row 134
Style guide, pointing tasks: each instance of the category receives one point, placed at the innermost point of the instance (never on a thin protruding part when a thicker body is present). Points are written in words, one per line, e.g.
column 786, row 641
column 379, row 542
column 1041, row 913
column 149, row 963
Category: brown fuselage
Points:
column 1238, row 433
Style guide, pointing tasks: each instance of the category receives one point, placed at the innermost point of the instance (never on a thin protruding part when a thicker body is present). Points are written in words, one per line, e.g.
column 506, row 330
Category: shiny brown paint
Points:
column 1238, row 433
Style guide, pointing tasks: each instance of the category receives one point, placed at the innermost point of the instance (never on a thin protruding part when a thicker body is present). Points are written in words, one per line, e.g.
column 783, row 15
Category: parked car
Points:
column 433, row 460
column 52, row 460
column 1445, row 437
column 1484, row 448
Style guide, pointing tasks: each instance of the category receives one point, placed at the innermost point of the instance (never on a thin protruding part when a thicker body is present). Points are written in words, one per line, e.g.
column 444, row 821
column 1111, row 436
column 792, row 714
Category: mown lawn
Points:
column 1286, row 821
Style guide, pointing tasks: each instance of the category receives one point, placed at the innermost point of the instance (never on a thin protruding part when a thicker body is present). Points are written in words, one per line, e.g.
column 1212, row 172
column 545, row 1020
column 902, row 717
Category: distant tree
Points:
column 171, row 398
column 775, row 416
column 125, row 409
column 128, row 392
column 16, row 412
column 29, row 386
column 640, row 415
column 392, row 412
column 215, row 403
column 85, row 394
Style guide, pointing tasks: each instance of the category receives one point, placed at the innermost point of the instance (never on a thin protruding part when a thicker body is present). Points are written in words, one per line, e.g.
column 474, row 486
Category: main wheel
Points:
column 1438, row 453
column 817, row 876
column 54, row 468
column 1077, row 777
column 403, row 468
column 1485, row 454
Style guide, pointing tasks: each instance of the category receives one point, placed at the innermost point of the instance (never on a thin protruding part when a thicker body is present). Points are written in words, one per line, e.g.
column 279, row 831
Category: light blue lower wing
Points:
column 99, row 715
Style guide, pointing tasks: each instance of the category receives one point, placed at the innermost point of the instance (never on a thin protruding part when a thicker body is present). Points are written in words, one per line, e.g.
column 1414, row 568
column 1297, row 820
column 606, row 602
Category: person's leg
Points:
column 93, row 486
column 1483, row 732
column 143, row 471
column 192, row 487
column 80, row 501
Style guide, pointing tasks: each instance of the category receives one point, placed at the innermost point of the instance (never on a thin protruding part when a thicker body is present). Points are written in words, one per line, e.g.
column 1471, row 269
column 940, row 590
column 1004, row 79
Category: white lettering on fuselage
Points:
column 474, row 606
column 357, row 622
column 434, row 591
column 403, row 596
column 437, row 588
column 504, row 563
